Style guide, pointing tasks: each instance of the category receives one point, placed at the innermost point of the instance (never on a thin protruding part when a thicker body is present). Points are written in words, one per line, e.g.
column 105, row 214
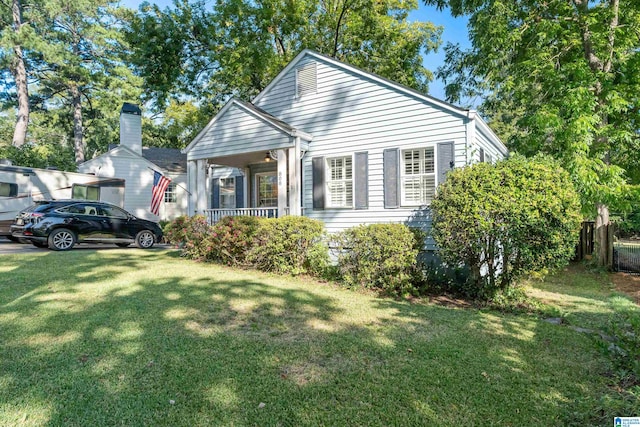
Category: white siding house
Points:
column 136, row 165
column 347, row 147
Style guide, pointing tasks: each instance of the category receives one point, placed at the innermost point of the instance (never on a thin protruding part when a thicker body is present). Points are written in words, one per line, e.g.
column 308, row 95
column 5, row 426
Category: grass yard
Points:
column 131, row 337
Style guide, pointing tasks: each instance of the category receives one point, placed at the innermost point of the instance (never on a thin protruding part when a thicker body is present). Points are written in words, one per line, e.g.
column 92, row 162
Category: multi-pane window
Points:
column 267, row 190
column 170, row 195
column 340, row 182
column 85, row 192
column 227, row 193
column 418, row 176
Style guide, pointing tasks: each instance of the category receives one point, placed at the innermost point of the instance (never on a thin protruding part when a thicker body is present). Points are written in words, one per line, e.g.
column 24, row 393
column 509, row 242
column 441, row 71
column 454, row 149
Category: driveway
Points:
column 8, row 247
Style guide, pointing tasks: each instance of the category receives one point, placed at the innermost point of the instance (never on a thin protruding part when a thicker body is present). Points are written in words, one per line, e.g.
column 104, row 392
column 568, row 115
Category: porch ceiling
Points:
column 240, row 160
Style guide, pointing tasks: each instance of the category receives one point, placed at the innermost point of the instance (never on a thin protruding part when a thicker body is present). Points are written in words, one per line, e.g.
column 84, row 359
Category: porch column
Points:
column 201, row 186
column 294, row 178
column 191, row 187
column 282, row 182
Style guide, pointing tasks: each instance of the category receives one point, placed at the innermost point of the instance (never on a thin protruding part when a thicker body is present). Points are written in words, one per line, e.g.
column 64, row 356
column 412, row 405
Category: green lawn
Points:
column 131, row 337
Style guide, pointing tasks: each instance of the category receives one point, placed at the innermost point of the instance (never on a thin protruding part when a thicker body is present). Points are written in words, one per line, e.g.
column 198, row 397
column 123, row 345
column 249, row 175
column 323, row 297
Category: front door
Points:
column 266, row 195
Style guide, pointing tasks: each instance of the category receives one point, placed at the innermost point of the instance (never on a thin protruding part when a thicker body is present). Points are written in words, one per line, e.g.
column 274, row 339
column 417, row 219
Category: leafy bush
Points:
column 291, row 244
column 175, row 232
column 189, row 233
column 231, row 239
column 378, row 256
column 506, row 220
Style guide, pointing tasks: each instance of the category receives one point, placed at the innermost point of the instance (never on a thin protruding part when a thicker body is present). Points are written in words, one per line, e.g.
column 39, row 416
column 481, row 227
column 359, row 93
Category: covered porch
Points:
column 246, row 162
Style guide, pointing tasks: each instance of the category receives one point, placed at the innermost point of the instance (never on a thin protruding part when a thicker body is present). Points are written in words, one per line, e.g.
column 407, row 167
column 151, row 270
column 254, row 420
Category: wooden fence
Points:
column 586, row 245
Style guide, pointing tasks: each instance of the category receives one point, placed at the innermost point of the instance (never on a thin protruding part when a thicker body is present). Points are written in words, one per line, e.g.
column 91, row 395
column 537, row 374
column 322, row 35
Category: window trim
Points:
column 328, row 180
column 256, row 193
column 220, row 187
column 402, row 175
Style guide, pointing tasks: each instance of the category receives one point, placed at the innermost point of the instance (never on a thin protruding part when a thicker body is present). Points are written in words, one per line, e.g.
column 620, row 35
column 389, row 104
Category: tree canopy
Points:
column 75, row 63
column 561, row 77
column 66, row 67
column 558, row 77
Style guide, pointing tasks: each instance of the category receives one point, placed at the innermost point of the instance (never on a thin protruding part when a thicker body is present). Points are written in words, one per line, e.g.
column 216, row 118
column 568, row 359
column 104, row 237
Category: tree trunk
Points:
column 78, row 142
column 19, row 72
column 601, row 235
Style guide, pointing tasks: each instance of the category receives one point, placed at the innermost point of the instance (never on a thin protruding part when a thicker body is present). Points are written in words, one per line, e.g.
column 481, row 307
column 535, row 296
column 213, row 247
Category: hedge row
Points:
column 381, row 257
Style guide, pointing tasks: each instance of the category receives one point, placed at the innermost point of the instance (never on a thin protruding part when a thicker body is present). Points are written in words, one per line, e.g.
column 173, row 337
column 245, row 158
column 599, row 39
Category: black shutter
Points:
column 391, row 164
column 240, row 192
column 481, row 155
column 361, row 180
column 318, row 182
column 446, row 160
column 215, row 193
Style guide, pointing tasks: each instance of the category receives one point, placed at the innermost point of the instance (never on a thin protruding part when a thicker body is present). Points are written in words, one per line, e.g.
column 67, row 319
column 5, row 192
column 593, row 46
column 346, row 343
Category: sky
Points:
column 455, row 31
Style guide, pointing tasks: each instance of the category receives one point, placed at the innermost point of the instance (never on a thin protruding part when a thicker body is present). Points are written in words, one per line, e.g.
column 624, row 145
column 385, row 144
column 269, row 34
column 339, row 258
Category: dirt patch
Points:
column 628, row 284
column 449, row 301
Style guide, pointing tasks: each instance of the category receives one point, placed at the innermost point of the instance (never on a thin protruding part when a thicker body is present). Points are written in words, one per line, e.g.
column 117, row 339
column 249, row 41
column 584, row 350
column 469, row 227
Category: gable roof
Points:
column 256, row 112
column 467, row 113
column 366, row 74
column 167, row 159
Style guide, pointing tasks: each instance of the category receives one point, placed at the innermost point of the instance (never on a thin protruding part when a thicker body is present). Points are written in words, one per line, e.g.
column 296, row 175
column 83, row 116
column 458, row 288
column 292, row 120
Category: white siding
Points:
column 350, row 113
column 138, row 178
column 486, row 142
column 238, row 132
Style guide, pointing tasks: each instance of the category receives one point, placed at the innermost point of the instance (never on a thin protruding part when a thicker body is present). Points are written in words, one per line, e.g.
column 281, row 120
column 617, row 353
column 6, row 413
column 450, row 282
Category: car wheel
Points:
column 39, row 244
column 61, row 239
column 145, row 239
column 123, row 245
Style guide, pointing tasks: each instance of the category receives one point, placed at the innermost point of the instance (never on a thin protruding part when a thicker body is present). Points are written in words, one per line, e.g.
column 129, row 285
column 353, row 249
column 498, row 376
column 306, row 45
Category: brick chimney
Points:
column 131, row 127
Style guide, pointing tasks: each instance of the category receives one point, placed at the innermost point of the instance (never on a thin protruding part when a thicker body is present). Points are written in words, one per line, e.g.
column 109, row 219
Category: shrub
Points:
column 175, row 231
column 231, row 239
column 378, row 256
column 291, row 244
column 506, row 220
column 189, row 233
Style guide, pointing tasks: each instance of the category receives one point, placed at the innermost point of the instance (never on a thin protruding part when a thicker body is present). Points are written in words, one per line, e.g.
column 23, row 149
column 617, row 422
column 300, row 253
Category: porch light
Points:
column 267, row 157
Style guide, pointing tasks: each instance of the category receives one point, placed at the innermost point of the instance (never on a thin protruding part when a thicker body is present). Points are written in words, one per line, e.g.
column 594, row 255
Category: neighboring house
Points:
column 136, row 165
column 335, row 143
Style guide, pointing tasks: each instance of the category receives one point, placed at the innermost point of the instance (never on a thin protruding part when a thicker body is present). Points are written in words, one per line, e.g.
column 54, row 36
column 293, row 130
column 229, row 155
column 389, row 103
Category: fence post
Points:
column 610, row 231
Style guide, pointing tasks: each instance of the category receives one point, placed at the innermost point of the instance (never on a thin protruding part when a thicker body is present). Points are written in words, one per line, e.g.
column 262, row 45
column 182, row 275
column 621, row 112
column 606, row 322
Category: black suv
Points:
column 60, row 224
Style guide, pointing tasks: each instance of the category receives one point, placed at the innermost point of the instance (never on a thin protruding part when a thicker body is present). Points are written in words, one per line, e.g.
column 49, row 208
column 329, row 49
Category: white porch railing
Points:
column 215, row 215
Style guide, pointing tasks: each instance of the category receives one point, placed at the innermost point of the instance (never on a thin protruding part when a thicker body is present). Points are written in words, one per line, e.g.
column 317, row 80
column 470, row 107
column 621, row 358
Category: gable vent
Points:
column 306, row 79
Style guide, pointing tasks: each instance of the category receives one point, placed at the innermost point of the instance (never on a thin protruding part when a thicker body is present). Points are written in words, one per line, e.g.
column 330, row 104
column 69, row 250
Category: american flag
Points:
column 160, row 183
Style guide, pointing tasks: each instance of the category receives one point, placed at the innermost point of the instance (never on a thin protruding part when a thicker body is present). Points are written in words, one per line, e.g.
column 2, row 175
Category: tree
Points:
column 83, row 62
column 76, row 76
column 12, row 40
column 506, row 220
column 239, row 47
column 568, row 69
